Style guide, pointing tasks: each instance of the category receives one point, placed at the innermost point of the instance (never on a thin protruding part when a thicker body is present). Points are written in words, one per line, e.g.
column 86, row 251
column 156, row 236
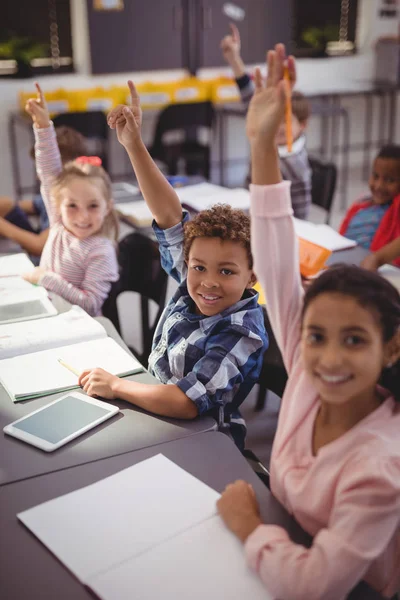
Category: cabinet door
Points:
column 145, row 35
column 265, row 23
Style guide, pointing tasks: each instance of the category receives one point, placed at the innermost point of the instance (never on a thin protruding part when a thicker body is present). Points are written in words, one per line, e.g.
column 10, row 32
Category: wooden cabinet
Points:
column 176, row 34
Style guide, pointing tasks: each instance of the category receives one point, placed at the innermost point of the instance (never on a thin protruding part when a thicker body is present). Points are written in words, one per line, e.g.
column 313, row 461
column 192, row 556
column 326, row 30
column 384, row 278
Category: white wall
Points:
column 312, row 75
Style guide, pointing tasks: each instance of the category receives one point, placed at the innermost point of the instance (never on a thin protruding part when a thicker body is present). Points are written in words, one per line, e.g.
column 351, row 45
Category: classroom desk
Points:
column 131, row 429
column 28, row 570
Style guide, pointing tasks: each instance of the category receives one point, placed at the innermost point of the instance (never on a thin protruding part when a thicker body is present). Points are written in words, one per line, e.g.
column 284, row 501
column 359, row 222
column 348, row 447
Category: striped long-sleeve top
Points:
column 80, row 271
column 294, row 165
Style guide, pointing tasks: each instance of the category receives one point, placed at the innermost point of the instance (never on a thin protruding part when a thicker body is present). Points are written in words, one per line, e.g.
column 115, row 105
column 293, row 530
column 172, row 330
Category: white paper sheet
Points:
column 15, row 264
column 322, row 235
column 204, row 195
column 102, row 525
column 31, row 336
column 139, row 211
column 43, row 373
column 392, row 274
column 206, row 562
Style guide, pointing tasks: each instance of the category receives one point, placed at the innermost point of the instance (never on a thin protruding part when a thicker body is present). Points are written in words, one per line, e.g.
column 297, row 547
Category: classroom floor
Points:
column 261, row 426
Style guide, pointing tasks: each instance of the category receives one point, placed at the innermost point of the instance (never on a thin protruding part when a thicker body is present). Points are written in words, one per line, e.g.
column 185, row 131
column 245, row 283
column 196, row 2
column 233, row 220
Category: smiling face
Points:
column 83, row 207
column 342, row 348
column 384, row 181
column 218, row 274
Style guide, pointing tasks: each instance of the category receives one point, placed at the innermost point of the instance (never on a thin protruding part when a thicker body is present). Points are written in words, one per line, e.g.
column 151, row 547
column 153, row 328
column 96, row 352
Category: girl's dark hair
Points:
column 371, row 291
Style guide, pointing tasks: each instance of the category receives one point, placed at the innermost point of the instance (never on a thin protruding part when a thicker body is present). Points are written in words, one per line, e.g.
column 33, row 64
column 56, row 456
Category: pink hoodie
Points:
column 348, row 496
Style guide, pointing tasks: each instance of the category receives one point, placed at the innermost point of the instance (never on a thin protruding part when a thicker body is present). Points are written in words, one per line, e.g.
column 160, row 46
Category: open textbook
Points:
column 30, row 354
column 134, row 546
column 322, row 235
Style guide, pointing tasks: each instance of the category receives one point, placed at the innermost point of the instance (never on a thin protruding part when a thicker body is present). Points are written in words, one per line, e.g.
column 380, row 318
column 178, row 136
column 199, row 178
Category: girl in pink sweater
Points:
column 335, row 462
column 79, row 260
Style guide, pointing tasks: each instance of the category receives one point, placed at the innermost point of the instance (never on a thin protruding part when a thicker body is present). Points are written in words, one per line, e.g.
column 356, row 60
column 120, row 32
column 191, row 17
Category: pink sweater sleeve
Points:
column 276, row 263
column 364, row 519
column 48, row 166
column 101, row 271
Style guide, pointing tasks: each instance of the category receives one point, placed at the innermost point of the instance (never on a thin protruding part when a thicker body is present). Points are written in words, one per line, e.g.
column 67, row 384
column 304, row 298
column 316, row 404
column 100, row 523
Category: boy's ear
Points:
column 392, row 350
column 252, row 280
column 303, row 125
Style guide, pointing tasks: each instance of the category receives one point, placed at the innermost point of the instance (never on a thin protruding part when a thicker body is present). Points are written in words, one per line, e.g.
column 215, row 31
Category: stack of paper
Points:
column 392, row 274
column 137, row 213
column 149, row 531
column 204, row 195
column 322, row 235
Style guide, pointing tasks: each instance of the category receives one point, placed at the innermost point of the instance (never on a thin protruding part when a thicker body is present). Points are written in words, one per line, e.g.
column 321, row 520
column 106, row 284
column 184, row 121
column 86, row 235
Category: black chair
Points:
column 273, row 374
column 141, row 272
column 185, row 119
column 324, row 176
column 92, row 125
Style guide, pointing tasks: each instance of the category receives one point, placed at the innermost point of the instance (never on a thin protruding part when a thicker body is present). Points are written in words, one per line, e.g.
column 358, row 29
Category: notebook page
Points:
column 205, row 562
column 322, row 235
column 33, row 336
column 200, row 190
column 139, row 211
column 15, row 264
column 392, row 274
column 43, row 373
column 237, row 198
column 122, row 516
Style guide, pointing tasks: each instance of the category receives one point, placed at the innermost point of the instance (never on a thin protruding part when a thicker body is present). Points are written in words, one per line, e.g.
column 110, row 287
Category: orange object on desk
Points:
column 312, row 261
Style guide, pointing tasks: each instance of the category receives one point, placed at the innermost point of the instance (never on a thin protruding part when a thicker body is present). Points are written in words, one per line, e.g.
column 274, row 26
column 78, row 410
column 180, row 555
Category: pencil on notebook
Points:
column 288, row 109
column 67, row 366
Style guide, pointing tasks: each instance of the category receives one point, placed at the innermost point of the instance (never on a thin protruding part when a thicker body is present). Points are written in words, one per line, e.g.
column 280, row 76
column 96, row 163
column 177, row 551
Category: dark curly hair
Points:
column 371, row 291
column 221, row 221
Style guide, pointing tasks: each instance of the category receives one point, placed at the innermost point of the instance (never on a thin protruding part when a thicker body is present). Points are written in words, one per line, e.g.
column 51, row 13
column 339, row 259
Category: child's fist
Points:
column 230, row 44
column 37, row 108
column 127, row 120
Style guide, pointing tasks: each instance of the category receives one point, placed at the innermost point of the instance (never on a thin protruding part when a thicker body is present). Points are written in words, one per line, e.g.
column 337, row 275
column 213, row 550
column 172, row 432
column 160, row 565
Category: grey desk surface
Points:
column 131, row 429
column 29, row 571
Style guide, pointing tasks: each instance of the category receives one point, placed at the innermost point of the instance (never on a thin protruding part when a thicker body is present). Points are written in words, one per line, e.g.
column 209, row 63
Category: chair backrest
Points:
column 324, row 176
column 186, row 119
column 92, row 125
column 141, row 272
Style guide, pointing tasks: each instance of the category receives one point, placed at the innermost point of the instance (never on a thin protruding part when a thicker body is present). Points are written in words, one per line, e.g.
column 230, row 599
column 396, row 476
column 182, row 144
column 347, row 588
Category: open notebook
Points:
column 322, row 235
column 30, row 354
column 155, row 533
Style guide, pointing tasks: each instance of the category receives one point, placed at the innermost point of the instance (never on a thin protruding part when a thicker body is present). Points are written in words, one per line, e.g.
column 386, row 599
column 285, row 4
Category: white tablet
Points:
column 61, row 421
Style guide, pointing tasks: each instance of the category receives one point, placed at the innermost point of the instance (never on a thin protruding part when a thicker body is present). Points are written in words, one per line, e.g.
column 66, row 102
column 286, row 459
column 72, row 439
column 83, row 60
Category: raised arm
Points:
column 47, row 154
column 159, row 195
column 273, row 238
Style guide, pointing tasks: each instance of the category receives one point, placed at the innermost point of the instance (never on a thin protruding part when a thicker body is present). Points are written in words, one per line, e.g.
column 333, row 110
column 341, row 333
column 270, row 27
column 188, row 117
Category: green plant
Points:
column 23, row 49
column 318, row 37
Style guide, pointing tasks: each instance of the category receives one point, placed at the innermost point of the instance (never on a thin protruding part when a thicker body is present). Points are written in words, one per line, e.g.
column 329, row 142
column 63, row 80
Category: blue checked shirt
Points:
column 214, row 360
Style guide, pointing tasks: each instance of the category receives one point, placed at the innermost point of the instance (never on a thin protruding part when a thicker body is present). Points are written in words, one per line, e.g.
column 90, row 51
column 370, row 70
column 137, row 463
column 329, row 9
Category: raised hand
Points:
column 127, row 120
column 230, row 44
column 267, row 107
column 37, row 108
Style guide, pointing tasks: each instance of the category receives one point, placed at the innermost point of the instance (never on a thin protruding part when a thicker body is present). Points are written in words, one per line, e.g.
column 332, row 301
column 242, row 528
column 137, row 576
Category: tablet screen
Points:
column 61, row 419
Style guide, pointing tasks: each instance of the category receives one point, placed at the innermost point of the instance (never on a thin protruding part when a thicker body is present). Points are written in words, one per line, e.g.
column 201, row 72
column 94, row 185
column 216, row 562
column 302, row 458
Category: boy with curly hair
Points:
column 209, row 343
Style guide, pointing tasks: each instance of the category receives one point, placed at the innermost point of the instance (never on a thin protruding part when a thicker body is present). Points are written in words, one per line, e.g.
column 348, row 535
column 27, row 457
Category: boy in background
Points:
column 374, row 220
column 14, row 216
column 294, row 165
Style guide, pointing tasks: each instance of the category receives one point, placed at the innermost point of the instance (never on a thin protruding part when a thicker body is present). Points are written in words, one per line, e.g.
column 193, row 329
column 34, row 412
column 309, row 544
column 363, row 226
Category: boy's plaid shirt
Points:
column 214, row 360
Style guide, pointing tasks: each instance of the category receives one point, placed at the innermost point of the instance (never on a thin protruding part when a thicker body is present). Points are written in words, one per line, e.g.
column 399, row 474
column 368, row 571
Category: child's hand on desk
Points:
column 127, row 120
column 35, row 275
column 97, row 382
column 37, row 108
column 371, row 262
column 238, row 508
column 267, row 106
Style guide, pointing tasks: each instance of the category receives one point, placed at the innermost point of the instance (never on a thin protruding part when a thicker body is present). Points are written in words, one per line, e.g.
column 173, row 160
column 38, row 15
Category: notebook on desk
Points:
column 132, row 547
column 204, row 195
column 47, row 372
column 15, row 264
column 322, row 235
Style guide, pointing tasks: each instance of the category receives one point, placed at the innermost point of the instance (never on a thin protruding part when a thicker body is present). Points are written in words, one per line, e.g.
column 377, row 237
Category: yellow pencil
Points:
column 67, row 366
column 288, row 109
